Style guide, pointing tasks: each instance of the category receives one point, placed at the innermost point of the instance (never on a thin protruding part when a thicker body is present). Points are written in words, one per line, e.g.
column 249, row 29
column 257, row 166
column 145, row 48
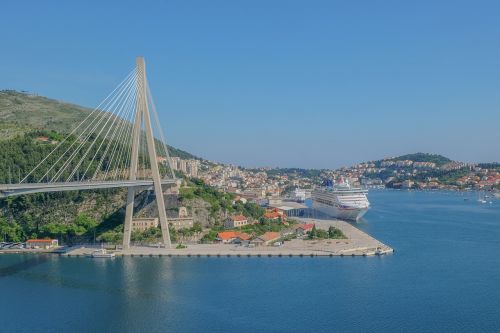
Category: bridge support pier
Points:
column 129, row 211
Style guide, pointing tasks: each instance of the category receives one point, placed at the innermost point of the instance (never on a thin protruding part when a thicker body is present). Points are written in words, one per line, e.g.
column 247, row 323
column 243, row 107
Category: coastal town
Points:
column 218, row 210
column 262, row 211
column 223, row 209
column 415, row 171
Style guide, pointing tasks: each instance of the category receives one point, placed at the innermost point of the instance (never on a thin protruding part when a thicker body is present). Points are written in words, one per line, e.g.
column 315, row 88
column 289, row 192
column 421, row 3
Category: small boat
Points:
column 482, row 200
column 102, row 253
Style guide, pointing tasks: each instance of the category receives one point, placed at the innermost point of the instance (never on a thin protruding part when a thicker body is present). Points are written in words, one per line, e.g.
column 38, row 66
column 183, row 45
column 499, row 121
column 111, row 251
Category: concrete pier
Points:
column 358, row 243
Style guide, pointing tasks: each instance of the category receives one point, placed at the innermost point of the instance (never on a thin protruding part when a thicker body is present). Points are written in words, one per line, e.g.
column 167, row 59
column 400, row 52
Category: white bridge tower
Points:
column 143, row 117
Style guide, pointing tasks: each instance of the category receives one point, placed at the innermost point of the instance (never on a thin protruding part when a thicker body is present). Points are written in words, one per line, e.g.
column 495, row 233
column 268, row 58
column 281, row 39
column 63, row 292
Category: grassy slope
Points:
column 21, row 113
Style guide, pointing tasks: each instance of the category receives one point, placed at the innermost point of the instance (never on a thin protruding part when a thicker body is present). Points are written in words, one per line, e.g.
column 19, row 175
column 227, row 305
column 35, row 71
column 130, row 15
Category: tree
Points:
column 54, row 230
column 313, row 233
column 75, row 230
column 209, row 237
column 197, row 227
column 152, row 234
column 111, row 236
column 321, row 234
column 11, row 232
column 173, row 232
column 137, row 236
column 85, row 221
column 185, row 232
column 335, row 233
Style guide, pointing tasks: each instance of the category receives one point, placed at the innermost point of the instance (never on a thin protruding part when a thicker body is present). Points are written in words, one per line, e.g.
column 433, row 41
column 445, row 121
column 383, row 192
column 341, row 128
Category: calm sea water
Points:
column 444, row 276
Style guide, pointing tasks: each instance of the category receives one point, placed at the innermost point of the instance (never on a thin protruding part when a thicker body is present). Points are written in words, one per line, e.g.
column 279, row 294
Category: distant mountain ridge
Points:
column 22, row 112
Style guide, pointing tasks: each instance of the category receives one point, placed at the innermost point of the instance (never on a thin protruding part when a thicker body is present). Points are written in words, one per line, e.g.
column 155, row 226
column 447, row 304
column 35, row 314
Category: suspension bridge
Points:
column 119, row 144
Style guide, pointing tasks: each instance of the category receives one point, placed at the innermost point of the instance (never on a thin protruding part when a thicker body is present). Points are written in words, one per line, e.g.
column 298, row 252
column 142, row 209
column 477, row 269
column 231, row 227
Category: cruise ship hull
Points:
column 341, row 213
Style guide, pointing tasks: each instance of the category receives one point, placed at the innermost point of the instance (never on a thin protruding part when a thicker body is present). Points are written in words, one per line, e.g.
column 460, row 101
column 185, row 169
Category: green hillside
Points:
column 418, row 157
column 22, row 113
column 70, row 216
column 425, row 157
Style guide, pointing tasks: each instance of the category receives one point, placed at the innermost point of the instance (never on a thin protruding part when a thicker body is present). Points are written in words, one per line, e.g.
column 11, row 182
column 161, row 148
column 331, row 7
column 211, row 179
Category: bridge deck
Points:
column 30, row 188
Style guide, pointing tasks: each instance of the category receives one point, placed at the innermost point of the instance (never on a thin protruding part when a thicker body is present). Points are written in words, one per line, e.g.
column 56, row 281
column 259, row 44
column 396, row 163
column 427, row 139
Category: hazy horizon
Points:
column 317, row 85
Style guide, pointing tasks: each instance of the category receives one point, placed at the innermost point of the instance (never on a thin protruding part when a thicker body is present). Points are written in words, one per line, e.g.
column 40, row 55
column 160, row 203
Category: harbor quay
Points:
column 357, row 243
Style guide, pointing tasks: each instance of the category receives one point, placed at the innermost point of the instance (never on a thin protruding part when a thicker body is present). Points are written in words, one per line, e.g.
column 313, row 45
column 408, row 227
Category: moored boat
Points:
column 102, row 253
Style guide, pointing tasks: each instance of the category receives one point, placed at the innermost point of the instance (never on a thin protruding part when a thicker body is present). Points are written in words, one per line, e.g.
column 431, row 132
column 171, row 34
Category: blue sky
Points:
column 316, row 84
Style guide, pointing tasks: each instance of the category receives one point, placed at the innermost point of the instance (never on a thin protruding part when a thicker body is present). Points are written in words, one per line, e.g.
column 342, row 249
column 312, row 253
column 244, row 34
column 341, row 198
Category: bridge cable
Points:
column 121, row 142
column 83, row 137
column 116, row 140
column 78, row 126
column 107, row 119
column 125, row 152
column 111, row 128
column 162, row 137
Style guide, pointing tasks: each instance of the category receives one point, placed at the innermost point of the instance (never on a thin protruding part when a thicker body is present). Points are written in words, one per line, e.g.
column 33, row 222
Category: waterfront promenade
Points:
column 358, row 243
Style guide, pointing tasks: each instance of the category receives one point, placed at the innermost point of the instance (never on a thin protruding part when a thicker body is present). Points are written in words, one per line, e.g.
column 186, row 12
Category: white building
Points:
column 236, row 221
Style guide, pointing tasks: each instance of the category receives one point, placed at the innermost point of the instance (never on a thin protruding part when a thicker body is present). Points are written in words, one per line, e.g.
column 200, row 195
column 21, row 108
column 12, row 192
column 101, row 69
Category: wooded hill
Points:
column 67, row 215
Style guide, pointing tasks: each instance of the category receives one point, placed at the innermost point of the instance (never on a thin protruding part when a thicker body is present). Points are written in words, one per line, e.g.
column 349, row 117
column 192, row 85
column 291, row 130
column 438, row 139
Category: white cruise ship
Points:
column 340, row 200
column 300, row 195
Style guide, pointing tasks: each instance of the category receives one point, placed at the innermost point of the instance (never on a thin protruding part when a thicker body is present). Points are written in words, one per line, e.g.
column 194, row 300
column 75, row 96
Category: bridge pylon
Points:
column 142, row 117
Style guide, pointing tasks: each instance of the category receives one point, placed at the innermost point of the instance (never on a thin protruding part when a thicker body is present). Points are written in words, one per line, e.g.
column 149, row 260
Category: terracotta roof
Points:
column 243, row 236
column 272, row 215
column 306, row 227
column 39, row 240
column 270, row 235
column 227, row 235
column 239, row 218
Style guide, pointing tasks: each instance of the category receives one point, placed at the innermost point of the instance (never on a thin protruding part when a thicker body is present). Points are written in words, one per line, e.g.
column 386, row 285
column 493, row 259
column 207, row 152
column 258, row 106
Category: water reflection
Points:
column 23, row 265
